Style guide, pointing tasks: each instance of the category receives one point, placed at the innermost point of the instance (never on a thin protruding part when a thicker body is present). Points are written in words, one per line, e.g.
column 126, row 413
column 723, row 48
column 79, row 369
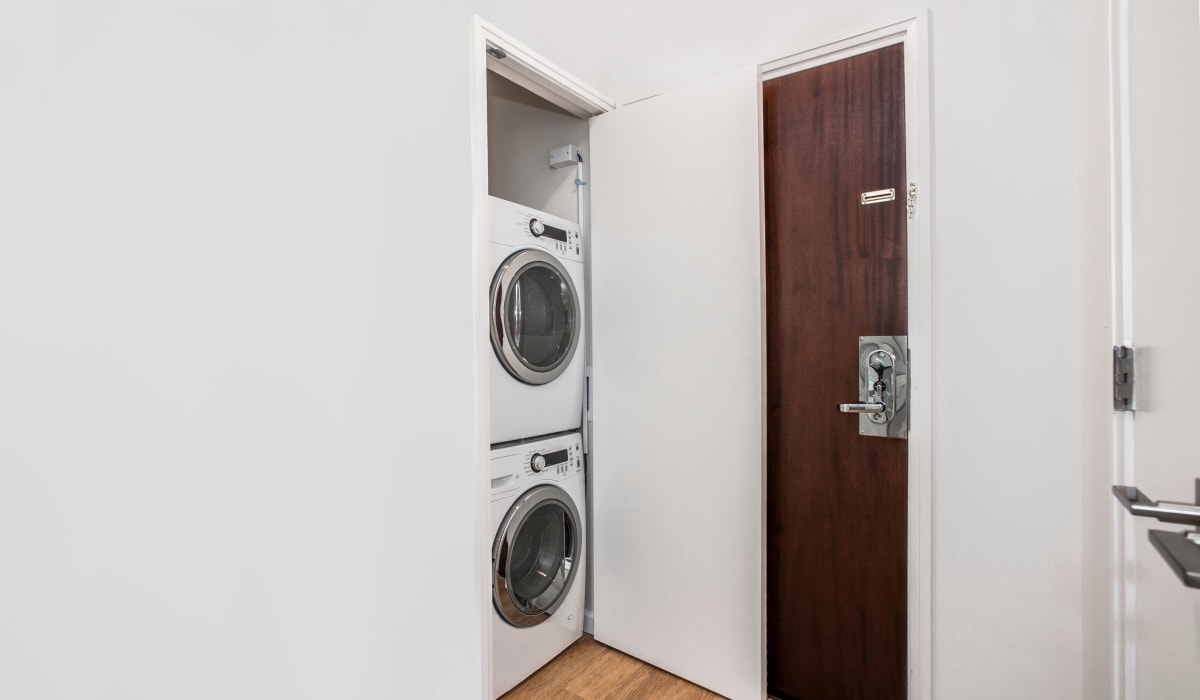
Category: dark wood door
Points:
column 836, row 501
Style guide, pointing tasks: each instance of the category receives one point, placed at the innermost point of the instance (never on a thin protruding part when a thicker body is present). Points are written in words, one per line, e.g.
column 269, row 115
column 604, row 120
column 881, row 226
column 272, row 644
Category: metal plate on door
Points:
column 882, row 386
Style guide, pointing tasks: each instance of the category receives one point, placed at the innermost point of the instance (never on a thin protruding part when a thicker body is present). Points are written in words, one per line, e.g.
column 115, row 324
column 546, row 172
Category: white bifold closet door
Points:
column 678, row 345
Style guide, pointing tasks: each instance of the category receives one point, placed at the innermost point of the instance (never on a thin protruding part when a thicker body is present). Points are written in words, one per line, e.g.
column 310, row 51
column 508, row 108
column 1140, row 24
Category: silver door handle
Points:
column 1181, row 553
column 1138, row 503
column 861, row 407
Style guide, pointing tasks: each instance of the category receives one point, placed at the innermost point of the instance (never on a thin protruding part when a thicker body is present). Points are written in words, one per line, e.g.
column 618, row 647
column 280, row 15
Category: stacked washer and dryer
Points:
column 537, row 394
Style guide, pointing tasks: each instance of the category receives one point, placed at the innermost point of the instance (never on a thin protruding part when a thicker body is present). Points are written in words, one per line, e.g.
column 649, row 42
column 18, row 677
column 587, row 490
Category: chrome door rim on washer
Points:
column 527, row 613
column 512, row 360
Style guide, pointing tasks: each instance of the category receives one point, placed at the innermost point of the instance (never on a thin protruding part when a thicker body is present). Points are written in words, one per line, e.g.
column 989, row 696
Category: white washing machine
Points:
column 537, row 323
column 538, row 512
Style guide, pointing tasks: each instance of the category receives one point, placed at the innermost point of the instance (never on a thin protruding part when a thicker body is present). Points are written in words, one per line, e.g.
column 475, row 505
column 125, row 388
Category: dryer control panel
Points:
column 516, row 225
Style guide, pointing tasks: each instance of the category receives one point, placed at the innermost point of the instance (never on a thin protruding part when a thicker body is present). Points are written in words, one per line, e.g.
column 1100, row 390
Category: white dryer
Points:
column 538, row 512
column 537, row 323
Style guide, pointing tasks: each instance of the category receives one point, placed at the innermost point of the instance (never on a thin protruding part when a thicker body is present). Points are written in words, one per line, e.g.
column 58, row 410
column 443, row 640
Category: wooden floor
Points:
column 588, row 670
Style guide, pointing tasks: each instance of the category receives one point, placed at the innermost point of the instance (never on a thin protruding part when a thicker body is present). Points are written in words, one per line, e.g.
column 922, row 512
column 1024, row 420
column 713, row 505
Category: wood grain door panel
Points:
column 835, row 270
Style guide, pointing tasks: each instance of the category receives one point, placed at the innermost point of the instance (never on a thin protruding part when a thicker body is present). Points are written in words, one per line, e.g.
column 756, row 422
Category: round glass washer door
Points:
column 535, row 556
column 535, row 316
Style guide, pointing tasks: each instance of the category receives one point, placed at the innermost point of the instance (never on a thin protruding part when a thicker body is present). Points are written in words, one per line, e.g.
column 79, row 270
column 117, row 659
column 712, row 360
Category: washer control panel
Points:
column 555, row 462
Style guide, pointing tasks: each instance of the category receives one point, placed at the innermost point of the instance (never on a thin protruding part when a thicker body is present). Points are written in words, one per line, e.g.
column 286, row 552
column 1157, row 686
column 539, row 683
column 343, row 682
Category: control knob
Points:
column 537, row 463
column 536, row 227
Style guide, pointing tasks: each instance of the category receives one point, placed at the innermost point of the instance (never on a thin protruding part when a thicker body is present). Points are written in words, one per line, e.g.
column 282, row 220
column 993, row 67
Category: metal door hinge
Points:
column 1122, row 378
column 912, row 199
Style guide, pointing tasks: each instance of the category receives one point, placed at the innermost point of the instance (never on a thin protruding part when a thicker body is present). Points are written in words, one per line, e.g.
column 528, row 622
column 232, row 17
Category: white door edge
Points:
column 1123, row 533
column 481, row 283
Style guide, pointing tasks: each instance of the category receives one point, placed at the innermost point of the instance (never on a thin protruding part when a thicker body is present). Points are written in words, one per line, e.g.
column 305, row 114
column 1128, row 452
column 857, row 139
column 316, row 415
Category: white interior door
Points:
column 1161, row 318
column 677, row 412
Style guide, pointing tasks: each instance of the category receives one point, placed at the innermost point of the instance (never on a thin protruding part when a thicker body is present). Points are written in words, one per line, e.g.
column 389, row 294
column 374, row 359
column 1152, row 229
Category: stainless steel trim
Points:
column 518, row 316
column 1180, row 552
column 510, row 359
column 861, row 407
column 527, row 613
column 1142, row 505
column 878, row 196
column 882, row 386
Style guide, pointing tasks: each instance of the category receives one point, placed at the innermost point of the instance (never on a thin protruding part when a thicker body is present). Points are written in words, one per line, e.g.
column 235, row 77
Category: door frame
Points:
column 861, row 35
column 542, row 77
column 1118, row 538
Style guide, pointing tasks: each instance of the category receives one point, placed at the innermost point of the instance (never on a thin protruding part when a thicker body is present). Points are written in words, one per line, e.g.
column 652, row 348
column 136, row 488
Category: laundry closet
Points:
column 674, row 448
column 666, row 197
column 537, row 375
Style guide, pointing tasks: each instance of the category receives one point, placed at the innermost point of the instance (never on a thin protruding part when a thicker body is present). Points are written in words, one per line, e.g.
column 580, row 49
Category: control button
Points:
column 537, row 463
column 536, row 227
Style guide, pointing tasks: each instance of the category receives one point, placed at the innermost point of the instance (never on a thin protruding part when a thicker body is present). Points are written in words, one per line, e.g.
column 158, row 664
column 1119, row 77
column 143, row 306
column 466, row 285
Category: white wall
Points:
column 236, row 441
column 237, row 456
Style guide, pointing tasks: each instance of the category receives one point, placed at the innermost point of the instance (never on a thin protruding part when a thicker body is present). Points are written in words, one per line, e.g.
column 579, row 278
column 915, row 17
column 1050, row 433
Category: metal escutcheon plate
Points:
column 895, row 425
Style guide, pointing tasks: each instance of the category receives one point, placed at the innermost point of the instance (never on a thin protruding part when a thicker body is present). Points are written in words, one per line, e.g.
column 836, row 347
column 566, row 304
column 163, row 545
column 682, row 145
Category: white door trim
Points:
column 542, row 77
column 480, row 340
column 531, row 71
column 867, row 34
column 1123, row 538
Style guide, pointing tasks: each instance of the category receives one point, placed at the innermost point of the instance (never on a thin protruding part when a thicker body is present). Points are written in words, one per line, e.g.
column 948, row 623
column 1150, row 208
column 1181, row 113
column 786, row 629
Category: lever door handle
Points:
column 1139, row 504
column 1181, row 553
column 861, row 407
